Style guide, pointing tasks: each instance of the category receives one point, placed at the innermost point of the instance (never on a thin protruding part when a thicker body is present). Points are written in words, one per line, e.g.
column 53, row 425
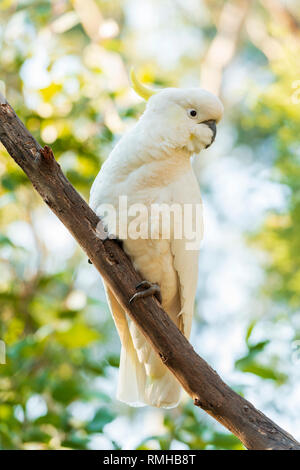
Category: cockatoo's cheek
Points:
column 195, row 145
column 201, row 137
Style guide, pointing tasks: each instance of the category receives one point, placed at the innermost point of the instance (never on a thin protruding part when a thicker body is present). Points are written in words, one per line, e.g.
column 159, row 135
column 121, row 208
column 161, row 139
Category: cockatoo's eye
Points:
column 192, row 113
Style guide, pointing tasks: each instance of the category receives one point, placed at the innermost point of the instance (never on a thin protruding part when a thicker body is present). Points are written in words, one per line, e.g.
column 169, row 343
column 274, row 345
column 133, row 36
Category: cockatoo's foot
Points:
column 149, row 288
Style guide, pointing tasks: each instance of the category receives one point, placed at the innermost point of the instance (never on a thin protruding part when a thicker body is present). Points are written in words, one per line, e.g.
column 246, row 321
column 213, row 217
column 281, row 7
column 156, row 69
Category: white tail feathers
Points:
column 137, row 389
column 143, row 379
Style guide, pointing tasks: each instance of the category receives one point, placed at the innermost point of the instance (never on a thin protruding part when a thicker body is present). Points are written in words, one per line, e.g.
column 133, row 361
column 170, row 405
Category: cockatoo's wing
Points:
column 185, row 251
column 135, row 387
column 186, row 265
column 132, row 375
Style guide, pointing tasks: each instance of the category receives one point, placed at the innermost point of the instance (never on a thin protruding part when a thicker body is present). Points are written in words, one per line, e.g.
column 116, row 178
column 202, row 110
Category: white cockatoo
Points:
column 151, row 164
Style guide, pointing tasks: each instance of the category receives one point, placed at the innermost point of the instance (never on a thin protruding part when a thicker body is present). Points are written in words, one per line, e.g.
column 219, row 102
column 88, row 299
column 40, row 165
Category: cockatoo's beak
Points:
column 142, row 90
column 211, row 123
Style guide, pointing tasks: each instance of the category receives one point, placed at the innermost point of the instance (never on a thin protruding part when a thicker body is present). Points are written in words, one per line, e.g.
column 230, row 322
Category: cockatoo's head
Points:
column 184, row 118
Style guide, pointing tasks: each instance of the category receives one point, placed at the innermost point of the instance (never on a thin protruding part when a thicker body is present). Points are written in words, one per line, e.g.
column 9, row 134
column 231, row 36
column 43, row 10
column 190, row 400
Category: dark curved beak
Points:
column 211, row 123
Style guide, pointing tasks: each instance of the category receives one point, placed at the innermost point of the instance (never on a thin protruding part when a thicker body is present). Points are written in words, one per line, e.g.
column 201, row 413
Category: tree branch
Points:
column 223, row 47
column 201, row 382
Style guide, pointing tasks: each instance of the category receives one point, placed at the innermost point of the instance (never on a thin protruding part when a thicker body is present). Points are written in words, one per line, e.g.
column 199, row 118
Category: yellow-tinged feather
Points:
column 142, row 90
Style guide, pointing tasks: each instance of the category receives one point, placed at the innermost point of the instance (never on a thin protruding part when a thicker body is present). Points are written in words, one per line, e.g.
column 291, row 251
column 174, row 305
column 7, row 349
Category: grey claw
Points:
column 149, row 289
column 145, row 284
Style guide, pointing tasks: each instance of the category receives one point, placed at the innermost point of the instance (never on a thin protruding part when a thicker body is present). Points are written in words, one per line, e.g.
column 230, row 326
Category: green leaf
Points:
column 76, row 440
column 66, row 391
column 78, row 336
column 102, row 417
column 5, row 241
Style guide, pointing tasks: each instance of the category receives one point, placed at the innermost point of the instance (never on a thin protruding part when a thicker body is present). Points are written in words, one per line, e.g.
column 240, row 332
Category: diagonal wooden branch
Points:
column 201, row 382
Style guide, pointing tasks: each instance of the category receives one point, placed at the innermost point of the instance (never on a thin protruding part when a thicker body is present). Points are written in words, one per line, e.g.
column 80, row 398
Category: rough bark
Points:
column 202, row 383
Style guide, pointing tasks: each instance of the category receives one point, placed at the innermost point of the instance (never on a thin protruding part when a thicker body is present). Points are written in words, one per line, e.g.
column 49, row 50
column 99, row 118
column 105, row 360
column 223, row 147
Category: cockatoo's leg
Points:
column 149, row 289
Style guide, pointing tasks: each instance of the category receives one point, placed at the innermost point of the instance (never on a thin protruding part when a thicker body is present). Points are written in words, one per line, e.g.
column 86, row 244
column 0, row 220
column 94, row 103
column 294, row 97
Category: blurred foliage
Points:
column 64, row 64
column 195, row 433
column 275, row 118
column 280, row 234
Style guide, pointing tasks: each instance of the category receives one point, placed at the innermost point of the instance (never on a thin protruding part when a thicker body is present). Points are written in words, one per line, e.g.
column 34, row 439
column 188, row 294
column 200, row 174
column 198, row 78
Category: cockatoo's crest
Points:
column 140, row 89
